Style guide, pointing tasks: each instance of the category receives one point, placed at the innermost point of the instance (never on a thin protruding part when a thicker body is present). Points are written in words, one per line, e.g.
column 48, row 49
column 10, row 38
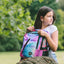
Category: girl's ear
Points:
column 41, row 18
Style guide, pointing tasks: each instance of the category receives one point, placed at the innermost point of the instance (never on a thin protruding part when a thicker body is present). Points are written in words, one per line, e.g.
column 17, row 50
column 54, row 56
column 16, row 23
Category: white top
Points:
column 50, row 29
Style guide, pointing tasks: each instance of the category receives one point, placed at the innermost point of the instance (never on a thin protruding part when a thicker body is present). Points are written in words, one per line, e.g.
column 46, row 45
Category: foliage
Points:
column 61, row 4
column 35, row 5
column 61, row 37
column 9, row 43
column 60, row 25
column 17, row 15
column 14, row 19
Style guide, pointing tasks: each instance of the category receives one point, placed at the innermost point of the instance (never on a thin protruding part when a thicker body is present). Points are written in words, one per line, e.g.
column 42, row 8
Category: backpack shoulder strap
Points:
column 25, row 44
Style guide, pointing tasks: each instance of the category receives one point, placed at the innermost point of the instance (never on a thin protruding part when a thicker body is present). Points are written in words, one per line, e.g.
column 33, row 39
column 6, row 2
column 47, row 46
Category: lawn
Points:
column 60, row 57
column 9, row 57
column 13, row 57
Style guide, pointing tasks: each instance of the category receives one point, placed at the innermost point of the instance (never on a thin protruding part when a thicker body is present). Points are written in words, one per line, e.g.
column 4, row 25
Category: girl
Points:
column 44, row 21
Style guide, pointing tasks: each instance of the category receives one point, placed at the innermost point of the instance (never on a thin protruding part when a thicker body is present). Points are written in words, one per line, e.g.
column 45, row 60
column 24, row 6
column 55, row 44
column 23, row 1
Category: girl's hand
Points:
column 42, row 33
column 30, row 28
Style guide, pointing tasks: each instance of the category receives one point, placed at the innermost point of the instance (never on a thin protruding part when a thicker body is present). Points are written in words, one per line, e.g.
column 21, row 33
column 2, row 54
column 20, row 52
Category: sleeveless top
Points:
column 51, row 29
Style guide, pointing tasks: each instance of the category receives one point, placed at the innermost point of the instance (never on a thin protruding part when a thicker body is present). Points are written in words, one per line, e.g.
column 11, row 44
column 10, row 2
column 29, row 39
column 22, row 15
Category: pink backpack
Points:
column 34, row 45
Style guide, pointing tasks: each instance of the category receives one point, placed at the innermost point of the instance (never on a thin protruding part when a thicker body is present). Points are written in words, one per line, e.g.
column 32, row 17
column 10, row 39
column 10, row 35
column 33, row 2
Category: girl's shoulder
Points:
column 53, row 28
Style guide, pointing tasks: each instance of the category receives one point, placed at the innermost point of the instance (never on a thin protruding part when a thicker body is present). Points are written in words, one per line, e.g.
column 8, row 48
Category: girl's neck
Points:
column 44, row 26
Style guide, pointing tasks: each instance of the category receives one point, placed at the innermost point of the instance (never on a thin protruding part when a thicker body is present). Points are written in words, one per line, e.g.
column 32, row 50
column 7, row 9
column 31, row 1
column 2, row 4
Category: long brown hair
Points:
column 42, row 12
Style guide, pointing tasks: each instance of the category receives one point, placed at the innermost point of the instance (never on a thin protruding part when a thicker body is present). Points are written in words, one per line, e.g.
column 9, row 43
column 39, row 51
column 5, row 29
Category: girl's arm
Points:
column 52, row 41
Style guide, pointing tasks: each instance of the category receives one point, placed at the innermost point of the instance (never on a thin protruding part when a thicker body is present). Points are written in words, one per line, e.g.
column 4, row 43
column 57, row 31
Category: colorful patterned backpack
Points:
column 34, row 45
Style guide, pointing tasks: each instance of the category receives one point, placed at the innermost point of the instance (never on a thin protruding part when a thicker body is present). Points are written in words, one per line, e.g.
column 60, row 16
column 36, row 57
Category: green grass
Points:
column 9, row 57
column 60, row 57
column 13, row 57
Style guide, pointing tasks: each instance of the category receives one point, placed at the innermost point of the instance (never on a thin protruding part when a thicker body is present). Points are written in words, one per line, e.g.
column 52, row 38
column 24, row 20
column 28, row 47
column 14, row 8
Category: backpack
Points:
column 34, row 45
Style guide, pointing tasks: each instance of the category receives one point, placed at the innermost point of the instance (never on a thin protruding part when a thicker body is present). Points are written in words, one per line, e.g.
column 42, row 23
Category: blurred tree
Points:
column 61, row 36
column 61, row 4
column 60, row 25
column 35, row 5
column 14, row 19
column 17, row 15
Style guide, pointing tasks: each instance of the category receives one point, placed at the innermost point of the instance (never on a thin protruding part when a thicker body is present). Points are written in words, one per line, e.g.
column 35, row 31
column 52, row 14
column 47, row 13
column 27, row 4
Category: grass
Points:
column 13, row 57
column 60, row 57
column 9, row 57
